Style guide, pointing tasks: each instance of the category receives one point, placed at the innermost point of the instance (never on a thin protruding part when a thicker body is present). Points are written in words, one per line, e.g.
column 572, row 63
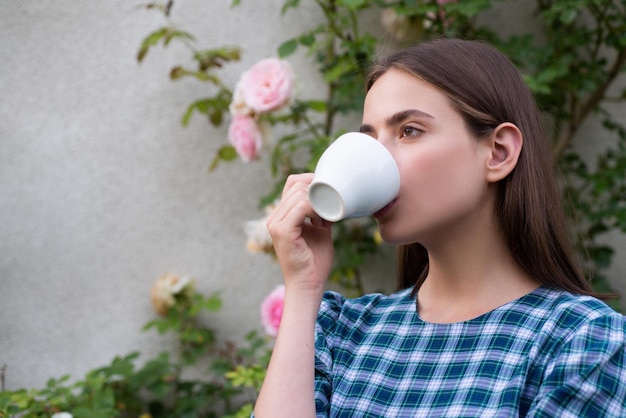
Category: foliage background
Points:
column 572, row 61
column 102, row 190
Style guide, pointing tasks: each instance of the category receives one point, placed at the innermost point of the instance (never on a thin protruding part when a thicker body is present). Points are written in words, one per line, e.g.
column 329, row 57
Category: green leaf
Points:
column 602, row 255
column 307, row 39
column 119, row 367
column 202, row 76
column 317, row 105
column 149, row 41
column 535, row 85
column 177, row 72
column 161, row 325
column 180, row 72
column 201, row 106
column 287, row 48
column 14, row 409
column 173, row 34
column 288, row 5
column 467, row 8
column 212, row 304
column 340, row 68
column 165, row 34
column 568, row 16
column 353, row 4
column 215, row 58
column 225, row 153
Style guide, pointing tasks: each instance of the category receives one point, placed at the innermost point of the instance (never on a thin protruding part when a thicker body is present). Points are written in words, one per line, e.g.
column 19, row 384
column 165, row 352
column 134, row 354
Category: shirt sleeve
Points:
column 585, row 377
column 327, row 320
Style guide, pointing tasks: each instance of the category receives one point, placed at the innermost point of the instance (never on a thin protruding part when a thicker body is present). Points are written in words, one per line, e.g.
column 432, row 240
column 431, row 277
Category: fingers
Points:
column 295, row 179
column 302, row 240
column 294, row 203
column 294, row 186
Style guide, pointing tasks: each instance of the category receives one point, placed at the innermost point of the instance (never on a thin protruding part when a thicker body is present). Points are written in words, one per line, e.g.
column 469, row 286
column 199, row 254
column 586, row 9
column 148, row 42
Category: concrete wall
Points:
column 102, row 190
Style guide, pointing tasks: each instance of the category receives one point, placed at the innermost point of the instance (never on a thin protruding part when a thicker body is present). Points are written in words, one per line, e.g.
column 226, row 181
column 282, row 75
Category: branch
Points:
column 168, row 7
column 590, row 104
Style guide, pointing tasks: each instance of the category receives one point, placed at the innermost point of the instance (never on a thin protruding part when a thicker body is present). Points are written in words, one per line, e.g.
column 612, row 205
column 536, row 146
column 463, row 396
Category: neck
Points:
column 470, row 274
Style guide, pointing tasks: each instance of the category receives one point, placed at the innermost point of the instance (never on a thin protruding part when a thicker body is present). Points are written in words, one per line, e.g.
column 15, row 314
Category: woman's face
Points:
column 443, row 190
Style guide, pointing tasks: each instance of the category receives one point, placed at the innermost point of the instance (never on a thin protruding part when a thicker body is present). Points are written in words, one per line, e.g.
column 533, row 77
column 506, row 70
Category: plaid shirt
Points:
column 547, row 354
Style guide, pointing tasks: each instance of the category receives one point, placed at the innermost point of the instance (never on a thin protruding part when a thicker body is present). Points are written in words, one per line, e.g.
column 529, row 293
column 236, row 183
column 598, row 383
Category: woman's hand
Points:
column 304, row 247
column 302, row 240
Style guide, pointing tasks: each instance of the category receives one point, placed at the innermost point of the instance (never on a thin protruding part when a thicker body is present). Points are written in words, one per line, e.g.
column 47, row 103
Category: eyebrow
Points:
column 397, row 118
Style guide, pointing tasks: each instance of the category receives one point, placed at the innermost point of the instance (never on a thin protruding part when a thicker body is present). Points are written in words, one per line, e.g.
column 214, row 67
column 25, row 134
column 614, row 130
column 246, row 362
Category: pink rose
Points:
column 272, row 310
column 244, row 134
column 268, row 85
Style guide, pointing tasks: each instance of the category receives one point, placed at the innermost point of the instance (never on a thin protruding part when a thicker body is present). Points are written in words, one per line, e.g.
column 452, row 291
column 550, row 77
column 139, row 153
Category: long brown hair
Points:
column 487, row 90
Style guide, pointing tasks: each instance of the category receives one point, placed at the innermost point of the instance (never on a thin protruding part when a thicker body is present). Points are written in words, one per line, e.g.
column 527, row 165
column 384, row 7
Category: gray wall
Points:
column 102, row 190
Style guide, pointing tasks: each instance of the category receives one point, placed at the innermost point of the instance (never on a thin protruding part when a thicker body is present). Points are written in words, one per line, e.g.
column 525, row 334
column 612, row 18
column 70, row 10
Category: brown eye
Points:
column 411, row 131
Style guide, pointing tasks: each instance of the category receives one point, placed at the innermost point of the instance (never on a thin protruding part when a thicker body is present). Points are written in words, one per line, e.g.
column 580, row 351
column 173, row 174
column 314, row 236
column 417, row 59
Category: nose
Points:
column 387, row 142
column 385, row 139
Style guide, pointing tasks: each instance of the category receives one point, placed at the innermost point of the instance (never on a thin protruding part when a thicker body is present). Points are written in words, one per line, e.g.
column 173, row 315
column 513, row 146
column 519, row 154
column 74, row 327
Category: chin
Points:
column 390, row 236
column 395, row 233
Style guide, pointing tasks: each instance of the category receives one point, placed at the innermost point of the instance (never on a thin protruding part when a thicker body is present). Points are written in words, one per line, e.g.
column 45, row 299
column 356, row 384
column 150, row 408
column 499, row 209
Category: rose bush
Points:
column 159, row 387
column 571, row 61
column 266, row 87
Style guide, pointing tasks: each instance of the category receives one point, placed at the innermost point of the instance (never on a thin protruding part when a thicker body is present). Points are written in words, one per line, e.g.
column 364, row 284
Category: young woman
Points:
column 495, row 317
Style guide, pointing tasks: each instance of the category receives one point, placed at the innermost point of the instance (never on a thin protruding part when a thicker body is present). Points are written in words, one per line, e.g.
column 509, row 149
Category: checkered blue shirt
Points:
column 547, row 354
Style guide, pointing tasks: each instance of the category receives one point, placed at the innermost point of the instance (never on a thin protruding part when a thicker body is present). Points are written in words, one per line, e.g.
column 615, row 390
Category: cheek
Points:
column 426, row 173
column 440, row 182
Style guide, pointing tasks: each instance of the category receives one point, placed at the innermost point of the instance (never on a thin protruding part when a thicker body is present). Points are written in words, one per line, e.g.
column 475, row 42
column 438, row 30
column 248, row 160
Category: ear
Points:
column 505, row 146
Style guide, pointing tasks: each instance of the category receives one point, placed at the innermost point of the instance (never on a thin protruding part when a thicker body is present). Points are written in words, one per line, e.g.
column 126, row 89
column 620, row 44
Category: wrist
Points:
column 302, row 303
column 305, row 291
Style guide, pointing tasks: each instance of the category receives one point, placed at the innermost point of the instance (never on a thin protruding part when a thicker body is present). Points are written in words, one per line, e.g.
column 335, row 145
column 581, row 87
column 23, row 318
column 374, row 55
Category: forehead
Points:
column 397, row 90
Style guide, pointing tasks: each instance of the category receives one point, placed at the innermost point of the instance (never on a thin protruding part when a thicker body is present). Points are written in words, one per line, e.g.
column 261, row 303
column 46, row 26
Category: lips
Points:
column 381, row 213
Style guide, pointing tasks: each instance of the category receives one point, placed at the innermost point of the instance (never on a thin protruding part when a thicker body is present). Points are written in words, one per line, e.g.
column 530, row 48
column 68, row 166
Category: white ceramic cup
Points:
column 355, row 176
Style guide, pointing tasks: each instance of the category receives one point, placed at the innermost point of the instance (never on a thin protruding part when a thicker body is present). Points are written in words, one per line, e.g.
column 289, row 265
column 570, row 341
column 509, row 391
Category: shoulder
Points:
column 582, row 348
column 574, row 325
column 336, row 302
column 339, row 311
column 567, row 312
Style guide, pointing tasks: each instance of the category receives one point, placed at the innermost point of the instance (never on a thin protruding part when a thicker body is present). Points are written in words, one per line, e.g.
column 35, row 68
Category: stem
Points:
column 310, row 125
column 330, row 54
column 355, row 25
column 329, row 12
column 330, row 112
column 3, row 373
column 168, row 8
column 167, row 12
